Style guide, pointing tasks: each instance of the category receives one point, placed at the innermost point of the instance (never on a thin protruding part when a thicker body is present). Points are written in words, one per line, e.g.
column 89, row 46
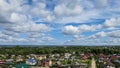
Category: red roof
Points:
column 2, row 62
column 101, row 56
column 113, row 56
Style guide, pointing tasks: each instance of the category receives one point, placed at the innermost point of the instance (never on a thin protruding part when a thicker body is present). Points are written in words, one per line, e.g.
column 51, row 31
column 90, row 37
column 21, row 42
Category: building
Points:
column 46, row 62
column 40, row 57
column 31, row 61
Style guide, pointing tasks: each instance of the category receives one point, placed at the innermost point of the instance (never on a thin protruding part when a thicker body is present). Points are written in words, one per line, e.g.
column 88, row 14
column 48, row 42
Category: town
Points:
column 60, row 57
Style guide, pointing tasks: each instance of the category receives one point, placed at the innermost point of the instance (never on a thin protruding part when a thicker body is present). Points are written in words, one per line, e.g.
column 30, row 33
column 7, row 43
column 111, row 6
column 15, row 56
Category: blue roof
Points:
column 31, row 60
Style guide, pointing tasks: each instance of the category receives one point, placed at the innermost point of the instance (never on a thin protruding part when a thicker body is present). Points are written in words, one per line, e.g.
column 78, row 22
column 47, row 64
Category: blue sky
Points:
column 59, row 22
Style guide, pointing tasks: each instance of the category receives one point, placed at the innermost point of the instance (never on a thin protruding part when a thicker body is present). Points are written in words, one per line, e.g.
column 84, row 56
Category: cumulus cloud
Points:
column 47, row 38
column 98, row 35
column 3, row 20
column 14, row 20
column 101, row 3
column 11, row 33
column 35, row 35
column 112, row 22
column 9, row 38
column 69, row 30
column 112, row 41
column 65, row 10
column 112, row 34
column 19, row 18
column 83, row 11
column 102, row 38
column 35, row 19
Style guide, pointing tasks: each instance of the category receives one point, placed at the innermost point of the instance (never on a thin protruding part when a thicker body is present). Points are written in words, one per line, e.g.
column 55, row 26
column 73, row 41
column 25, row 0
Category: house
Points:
column 3, row 56
column 31, row 61
column 101, row 60
column 40, row 57
column 46, row 62
column 9, row 61
column 58, row 63
column 118, row 56
column 110, row 67
column 113, row 56
column 13, row 56
column 82, row 54
column 86, row 56
column 21, row 66
column 67, row 55
column 33, row 55
column 101, row 56
column 57, row 55
column 109, row 63
column 28, row 56
column 2, row 62
column 19, row 58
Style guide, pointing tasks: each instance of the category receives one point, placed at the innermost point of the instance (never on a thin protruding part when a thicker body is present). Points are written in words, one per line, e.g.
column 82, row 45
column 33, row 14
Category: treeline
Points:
column 60, row 49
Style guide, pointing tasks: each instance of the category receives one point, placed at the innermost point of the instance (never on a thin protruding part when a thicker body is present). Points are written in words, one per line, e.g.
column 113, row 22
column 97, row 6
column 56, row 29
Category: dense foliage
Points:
column 60, row 49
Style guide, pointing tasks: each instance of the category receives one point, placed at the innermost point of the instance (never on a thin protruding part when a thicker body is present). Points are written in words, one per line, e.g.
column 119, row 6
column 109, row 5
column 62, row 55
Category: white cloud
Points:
column 79, row 37
column 19, row 17
column 71, row 30
column 65, row 10
column 35, row 35
column 16, row 17
column 89, row 28
column 112, row 22
column 98, row 35
column 114, row 34
column 47, row 38
column 11, row 33
column 23, row 23
column 49, row 18
column 30, row 27
column 68, row 30
column 79, row 11
column 38, row 12
column 102, row 38
column 39, row 28
column 101, row 3
column 8, row 38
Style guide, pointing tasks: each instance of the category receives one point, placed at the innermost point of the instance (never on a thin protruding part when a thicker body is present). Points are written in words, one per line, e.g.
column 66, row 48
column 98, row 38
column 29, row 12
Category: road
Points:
column 93, row 64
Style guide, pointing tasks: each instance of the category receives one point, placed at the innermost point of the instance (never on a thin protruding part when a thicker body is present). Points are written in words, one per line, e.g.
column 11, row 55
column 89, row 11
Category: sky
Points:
column 59, row 22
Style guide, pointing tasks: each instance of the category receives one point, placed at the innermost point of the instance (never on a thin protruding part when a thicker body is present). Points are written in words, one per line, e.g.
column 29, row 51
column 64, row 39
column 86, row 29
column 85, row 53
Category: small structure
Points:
column 2, row 62
column 101, row 56
column 86, row 56
column 21, row 66
column 46, row 63
column 40, row 57
column 9, row 61
column 13, row 56
column 31, row 61
column 19, row 58
column 67, row 55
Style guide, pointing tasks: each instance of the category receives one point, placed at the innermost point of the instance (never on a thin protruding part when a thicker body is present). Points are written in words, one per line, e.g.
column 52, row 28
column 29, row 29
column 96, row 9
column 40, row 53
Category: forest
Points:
column 60, row 49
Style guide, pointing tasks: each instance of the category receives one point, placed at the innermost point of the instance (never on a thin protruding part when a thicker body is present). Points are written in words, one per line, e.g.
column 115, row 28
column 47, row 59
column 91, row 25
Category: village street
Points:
column 93, row 64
